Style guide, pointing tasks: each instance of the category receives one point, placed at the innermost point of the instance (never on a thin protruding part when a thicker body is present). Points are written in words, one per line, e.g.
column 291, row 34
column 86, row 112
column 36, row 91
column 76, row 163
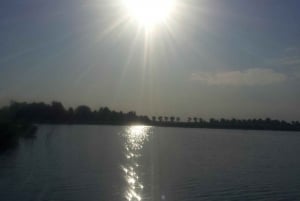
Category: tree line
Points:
column 56, row 113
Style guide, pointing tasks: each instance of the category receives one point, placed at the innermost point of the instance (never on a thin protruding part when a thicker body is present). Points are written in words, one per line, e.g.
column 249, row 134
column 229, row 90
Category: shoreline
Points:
column 169, row 125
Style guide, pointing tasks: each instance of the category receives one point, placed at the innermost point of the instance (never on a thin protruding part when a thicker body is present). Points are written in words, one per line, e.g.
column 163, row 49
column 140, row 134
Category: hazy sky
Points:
column 213, row 58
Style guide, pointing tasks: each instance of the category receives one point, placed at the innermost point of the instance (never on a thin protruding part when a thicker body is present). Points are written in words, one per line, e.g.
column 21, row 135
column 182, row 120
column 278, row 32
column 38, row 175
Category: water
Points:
column 94, row 163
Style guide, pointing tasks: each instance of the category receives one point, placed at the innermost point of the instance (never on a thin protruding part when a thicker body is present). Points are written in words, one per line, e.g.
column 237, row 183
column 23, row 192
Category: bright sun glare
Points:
column 149, row 12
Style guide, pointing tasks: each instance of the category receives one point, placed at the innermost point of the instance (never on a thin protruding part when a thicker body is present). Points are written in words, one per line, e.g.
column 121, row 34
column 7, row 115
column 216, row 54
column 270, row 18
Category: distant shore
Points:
column 179, row 125
column 56, row 113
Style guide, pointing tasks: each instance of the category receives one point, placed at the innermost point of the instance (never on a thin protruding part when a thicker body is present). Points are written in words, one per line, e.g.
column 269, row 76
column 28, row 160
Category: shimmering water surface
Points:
column 95, row 163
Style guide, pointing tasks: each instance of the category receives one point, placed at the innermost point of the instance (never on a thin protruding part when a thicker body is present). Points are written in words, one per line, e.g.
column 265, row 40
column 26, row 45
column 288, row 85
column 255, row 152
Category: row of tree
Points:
column 165, row 119
column 56, row 113
column 251, row 124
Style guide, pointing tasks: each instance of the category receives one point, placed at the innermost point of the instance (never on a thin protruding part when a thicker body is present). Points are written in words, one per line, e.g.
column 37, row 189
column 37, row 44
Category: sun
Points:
column 149, row 13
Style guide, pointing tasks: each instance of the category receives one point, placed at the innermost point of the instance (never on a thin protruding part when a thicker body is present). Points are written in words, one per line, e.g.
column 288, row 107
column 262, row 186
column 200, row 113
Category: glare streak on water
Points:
column 135, row 137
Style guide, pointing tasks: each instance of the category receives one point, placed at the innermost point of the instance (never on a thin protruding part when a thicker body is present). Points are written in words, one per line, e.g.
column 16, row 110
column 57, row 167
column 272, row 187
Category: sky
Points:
column 212, row 58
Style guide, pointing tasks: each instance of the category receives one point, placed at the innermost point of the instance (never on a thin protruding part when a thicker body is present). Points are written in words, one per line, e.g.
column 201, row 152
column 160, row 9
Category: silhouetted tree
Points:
column 178, row 119
column 160, row 118
column 5, row 115
column 195, row 119
column 166, row 119
column 172, row 119
column 201, row 120
column 154, row 118
column 58, row 112
column 83, row 114
column 70, row 115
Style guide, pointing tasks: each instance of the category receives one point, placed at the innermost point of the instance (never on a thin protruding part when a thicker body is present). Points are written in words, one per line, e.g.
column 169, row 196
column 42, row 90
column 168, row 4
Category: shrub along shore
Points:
column 11, row 132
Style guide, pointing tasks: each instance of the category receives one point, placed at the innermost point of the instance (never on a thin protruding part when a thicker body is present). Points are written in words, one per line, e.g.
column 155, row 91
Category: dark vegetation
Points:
column 11, row 132
column 56, row 113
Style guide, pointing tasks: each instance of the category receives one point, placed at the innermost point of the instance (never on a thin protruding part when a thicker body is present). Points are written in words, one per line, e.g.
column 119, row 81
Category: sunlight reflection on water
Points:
column 135, row 137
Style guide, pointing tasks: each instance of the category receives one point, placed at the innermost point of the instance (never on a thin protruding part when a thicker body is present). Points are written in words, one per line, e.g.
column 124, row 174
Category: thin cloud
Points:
column 289, row 57
column 249, row 77
column 288, row 60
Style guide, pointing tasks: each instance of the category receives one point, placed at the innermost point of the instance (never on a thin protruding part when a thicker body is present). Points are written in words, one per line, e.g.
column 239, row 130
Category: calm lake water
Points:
column 107, row 163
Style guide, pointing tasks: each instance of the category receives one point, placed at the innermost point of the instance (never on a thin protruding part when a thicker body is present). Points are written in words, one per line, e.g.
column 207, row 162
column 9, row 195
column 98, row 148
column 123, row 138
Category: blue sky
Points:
column 215, row 58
